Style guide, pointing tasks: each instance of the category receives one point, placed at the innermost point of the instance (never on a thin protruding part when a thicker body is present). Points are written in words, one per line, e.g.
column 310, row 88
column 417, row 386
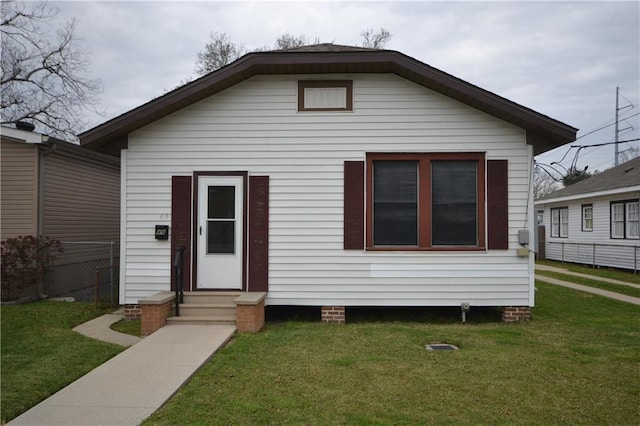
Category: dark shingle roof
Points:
column 622, row 176
column 328, row 47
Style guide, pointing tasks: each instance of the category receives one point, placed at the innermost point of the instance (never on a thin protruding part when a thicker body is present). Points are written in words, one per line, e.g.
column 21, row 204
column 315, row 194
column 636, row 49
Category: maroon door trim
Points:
column 181, row 226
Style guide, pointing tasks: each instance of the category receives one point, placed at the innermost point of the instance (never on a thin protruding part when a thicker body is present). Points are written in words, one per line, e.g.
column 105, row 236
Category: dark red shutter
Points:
column 181, row 226
column 497, row 205
column 354, row 205
column 258, row 233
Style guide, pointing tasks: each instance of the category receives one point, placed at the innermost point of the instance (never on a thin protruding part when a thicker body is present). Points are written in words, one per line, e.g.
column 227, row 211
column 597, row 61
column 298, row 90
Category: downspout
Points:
column 43, row 153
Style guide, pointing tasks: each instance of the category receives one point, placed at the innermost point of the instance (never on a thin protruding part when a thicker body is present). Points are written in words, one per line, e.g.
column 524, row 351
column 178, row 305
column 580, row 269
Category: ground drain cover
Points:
column 441, row 347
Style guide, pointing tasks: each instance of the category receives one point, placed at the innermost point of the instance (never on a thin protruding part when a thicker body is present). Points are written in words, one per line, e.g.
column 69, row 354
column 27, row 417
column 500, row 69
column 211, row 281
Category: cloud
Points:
column 559, row 58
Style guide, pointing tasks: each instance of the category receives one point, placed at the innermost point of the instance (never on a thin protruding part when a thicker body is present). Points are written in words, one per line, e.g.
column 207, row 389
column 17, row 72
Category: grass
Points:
column 41, row 354
column 577, row 362
column 133, row 327
column 604, row 272
column 617, row 288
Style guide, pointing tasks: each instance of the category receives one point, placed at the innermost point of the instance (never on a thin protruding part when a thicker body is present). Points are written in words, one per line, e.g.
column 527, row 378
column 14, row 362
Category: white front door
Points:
column 220, row 232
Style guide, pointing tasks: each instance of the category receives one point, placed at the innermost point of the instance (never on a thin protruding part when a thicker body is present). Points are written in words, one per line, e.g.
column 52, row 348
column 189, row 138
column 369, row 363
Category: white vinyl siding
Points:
column 255, row 126
column 19, row 180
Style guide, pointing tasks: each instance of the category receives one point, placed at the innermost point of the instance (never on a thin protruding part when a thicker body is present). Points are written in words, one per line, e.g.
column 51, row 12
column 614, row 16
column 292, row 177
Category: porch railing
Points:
column 595, row 254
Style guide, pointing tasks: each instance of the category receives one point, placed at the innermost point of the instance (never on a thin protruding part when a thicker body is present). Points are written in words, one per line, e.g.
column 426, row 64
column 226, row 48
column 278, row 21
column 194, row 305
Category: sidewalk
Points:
column 578, row 274
column 135, row 383
column 587, row 289
column 100, row 328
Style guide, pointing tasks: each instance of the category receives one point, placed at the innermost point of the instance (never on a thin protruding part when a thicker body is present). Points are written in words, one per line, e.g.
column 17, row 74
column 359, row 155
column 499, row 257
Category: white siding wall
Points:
column 255, row 127
column 578, row 246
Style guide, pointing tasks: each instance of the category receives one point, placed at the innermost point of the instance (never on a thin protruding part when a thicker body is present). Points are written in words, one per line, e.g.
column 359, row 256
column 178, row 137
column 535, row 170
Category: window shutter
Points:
column 181, row 226
column 497, row 205
column 258, row 233
column 354, row 205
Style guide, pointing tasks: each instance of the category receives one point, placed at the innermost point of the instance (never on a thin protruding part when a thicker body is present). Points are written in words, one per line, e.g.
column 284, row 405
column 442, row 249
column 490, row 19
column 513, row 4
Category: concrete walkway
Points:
column 135, row 383
column 100, row 328
column 587, row 289
column 591, row 277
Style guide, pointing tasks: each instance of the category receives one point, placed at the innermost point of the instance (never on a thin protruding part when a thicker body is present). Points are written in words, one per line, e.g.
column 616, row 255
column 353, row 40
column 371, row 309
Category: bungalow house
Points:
column 331, row 176
column 595, row 221
column 60, row 190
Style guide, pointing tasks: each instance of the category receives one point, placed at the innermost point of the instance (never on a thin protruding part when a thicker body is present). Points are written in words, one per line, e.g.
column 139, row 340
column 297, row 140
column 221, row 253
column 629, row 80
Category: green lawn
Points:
column 41, row 354
column 577, row 362
column 133, row 327
column 617, row 288
column 616, row 274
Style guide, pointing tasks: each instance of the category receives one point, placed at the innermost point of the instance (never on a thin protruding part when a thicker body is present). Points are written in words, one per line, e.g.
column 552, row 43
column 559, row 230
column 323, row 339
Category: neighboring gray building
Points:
column 60, row 190
column 596, row 221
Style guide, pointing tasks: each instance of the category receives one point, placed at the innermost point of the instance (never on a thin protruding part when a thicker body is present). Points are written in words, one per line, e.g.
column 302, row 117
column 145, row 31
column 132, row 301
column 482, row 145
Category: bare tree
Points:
column 288, row 41
column 221, row 51
column 543, row 183
column 375, row 39
column 217, row 53
column 44, row 71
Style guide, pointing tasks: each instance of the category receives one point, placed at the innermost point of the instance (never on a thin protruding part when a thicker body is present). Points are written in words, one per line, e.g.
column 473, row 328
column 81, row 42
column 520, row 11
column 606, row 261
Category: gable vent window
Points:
column 325, row 95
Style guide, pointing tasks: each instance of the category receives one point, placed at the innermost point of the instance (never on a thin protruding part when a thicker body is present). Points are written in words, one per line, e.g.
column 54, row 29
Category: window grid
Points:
column 625, row 219
column 587, row 218
column 560, row 222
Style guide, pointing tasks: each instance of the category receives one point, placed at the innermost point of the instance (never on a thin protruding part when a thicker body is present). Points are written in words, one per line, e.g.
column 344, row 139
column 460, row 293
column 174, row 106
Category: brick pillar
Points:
column 154, row 317
column 250, row 311
column 155, row 311
column 516, row 313
column 333, row 314
column 132, row 312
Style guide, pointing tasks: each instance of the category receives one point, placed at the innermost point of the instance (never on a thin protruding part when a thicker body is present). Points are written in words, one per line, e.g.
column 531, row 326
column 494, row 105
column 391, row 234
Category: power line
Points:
column 608, row 125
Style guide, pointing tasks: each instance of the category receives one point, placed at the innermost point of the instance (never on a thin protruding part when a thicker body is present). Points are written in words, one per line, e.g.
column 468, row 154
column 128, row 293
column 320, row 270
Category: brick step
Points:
column 204, row 320
column 193, row 297
column 207, row 309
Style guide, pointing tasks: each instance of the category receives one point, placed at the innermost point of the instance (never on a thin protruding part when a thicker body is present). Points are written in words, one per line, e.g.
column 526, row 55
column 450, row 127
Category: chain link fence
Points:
column 86, row 271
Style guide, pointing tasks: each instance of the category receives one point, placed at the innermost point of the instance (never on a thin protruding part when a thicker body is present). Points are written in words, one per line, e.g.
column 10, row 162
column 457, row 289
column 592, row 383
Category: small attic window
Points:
column 325, row 95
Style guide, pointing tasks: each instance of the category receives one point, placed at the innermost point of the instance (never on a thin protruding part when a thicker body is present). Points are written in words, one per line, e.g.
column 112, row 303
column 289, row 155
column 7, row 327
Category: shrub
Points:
column 25, row 260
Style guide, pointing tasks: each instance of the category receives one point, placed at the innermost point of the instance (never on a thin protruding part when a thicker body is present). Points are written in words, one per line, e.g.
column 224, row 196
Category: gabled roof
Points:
column 626, row 175
column 543, row 132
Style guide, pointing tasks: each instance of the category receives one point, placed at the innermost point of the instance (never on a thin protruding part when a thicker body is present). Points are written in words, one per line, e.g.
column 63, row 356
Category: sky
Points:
column 562, row 59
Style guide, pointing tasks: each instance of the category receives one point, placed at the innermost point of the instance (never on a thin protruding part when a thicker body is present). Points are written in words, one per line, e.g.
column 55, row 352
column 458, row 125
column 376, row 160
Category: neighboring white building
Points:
column 331, row 176
column 596, row 221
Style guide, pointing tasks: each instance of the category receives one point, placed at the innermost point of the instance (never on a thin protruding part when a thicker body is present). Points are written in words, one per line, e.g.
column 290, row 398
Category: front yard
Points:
column 578, row 361
column 41, row 354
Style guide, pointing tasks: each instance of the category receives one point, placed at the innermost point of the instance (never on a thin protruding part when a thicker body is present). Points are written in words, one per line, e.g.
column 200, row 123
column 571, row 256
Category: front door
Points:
column 220, row 232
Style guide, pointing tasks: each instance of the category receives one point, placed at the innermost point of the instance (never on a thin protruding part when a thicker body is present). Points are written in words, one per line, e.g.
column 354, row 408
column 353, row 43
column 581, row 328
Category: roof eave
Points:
column 546, row 133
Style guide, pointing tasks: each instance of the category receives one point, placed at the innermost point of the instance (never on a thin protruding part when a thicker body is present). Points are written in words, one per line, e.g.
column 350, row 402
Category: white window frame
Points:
column 632, row 219
column 587, row 217
column 564, row 222
column 560, row 222
column 617, row 218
